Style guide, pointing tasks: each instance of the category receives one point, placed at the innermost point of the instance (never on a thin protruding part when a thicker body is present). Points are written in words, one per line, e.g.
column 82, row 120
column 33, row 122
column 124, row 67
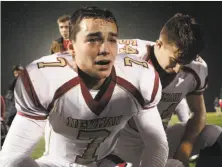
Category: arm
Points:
column 199, row 72
column 28, row 125
column 149, row 122
column 193, row 128
column 151, row 130
column 23, row 135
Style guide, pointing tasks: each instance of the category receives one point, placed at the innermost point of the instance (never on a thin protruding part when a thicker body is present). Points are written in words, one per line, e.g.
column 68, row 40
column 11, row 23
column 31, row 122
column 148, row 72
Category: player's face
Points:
column 170, row 61
column 95, row 47
column 17, row 73
column 64, row 29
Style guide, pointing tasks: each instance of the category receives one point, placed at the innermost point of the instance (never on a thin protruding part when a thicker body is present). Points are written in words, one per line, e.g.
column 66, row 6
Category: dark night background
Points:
column 28, row 28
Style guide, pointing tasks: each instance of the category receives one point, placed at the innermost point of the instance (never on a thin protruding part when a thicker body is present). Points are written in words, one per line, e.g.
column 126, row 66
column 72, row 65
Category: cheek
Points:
column 84, row 54
column 114, row 49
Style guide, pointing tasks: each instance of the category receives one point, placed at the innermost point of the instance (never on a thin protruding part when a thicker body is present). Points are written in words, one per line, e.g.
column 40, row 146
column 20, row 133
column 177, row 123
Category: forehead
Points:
column 66, row 23
column 97, row 25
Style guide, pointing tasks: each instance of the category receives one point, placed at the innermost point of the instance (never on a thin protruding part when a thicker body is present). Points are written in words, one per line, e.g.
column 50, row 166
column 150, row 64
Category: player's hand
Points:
column 183, row 153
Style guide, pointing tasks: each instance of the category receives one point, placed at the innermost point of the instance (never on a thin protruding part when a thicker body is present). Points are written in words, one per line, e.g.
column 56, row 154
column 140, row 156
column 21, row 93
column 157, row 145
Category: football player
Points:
column 88, row 98
column 183, row 73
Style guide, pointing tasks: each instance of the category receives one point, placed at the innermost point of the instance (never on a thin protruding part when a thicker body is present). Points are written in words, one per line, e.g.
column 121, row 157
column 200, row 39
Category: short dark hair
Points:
column 63, row 18
column 88, row 12
column 17, row 67
column 183, row 31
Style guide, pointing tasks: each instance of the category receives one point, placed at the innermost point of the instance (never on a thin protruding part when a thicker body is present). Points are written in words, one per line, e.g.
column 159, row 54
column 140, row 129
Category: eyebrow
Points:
column 113, row 34
column 100, row 34
column 94, row 34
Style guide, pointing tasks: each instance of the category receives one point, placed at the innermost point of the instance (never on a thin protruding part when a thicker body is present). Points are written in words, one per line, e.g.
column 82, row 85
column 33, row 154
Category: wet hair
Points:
column 183, row 31
column 88, row 12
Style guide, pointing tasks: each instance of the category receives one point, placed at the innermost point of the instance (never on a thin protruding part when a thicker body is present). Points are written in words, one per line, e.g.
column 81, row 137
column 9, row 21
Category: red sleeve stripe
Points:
column 156, row 87
column 30, row 89
column 146, row 108
column 130, row 88
column 32, row 117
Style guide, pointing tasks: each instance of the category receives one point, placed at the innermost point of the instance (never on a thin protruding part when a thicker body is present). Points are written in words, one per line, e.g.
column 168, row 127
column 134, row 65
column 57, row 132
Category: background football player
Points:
column 183, row 73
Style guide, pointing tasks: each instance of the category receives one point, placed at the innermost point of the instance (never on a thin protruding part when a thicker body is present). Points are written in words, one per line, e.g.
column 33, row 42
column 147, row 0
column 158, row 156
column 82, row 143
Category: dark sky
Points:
column 27, row 29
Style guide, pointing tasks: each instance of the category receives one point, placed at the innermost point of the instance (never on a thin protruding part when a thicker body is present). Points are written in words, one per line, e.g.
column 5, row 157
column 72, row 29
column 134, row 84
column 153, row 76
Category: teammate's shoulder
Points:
column 198, row 65
column 54, row 60
column 135, row 42
column 139, row 74
column 52, row 67
column 131, row 67
column 130, row 61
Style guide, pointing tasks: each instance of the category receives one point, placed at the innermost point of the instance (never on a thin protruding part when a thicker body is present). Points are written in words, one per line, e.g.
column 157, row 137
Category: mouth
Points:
column 102, row 62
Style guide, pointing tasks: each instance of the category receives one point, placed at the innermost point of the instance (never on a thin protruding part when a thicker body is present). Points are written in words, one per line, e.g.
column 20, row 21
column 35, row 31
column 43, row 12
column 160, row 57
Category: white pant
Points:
column 130, row 146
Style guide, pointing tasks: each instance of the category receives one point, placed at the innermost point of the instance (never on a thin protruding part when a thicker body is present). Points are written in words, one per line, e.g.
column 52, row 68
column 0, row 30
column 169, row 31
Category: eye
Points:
column 173, row 61
column 113, row 40
column 94, row 40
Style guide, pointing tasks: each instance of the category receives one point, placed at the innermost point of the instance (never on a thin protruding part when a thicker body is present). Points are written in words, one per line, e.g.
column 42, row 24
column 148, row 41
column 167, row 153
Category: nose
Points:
column 104, row 49
column 177, row 68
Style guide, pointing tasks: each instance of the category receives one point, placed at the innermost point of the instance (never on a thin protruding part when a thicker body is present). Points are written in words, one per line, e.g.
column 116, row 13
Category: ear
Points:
column 159, row 43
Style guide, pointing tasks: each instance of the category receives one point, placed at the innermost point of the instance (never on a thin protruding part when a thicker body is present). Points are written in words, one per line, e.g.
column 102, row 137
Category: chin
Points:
column 103, row 74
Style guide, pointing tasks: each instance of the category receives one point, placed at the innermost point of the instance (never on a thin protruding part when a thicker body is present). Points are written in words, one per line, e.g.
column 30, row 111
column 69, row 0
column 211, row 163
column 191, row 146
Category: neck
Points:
column 90, row 82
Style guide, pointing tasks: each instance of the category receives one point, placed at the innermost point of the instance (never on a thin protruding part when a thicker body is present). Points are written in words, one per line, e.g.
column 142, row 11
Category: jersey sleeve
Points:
column 151, row 88
column 26, row 100
column 148, row 121
column 136, row 47
column 36, row 87
column 199, row 70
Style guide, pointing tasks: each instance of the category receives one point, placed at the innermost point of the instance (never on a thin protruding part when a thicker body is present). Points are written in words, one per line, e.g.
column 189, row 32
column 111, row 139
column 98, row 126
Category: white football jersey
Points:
column 84, row 124
column 192, row 78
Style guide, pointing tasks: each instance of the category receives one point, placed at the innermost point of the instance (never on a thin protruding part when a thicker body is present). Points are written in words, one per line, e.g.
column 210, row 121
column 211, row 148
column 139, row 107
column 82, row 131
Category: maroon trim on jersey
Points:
column 30, row 89
column 156, row 87
column 132, row 89
column 97, row 106
column 63, row 89
column 205, row 84
column 147, row 108
column 32, row 117
column 197, row 78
